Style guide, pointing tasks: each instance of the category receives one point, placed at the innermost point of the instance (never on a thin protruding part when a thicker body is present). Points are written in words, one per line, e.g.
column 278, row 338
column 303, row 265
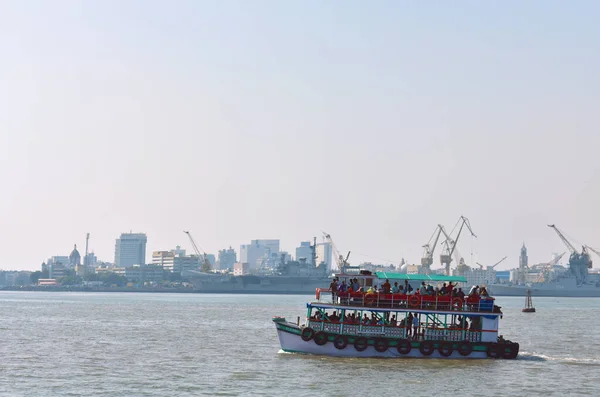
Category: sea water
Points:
column 142, row 344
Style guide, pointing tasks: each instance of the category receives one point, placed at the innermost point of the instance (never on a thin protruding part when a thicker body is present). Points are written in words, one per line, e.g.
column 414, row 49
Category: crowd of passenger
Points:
column 411, row 323
column 424, row 289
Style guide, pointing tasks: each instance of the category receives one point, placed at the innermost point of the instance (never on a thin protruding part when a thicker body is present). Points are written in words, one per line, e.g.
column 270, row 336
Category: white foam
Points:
column 533, row 356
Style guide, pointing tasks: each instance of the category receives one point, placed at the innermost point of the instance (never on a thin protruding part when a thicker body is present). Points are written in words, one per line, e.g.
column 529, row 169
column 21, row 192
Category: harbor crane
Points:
column 339, row 258
column 494, row 265
column 542, row 276
column 450, row 244
column 203, row 261
column 595, row 251
column 427, row 258
column 579, row 263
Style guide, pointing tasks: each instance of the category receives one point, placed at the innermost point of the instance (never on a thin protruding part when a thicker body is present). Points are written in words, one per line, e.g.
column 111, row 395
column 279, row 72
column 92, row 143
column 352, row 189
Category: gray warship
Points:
column 576, row 281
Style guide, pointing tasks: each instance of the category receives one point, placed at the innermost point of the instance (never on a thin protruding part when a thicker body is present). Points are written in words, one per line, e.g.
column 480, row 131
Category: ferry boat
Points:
column 376, row 324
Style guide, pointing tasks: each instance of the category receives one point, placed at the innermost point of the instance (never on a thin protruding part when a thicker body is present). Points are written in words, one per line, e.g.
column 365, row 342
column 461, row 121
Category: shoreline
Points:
column 151, row 290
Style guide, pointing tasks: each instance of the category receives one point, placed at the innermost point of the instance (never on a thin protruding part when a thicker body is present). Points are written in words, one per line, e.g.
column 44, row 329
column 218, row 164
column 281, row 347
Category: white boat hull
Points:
column 293, row 343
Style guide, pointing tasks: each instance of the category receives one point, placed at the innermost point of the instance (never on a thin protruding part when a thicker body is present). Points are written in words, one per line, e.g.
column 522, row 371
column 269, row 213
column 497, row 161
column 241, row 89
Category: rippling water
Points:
column 112, row 344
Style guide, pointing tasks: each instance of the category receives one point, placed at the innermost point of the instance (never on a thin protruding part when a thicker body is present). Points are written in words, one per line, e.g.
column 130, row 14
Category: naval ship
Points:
column 577, row 281
column 255, row 284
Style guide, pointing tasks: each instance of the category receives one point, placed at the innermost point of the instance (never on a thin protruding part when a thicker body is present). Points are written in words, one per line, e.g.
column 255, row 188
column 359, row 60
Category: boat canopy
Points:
column 420, row 277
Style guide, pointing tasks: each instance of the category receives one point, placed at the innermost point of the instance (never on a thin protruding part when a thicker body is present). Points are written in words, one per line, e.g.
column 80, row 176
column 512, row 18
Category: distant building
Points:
column 74, row 257
column 240, row 269
column 304, row 253
column 212, row 260
column 130, row 249
column 58, row 260
column 324, row 255
column 92, row 260
column 255, row 253
column 144, row 273
column 56, row 270
column 173, row 262
column 227, row 258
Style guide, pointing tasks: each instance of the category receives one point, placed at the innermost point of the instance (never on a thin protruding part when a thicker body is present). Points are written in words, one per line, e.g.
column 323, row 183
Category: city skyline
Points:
column 372, row 121
column 355, row 259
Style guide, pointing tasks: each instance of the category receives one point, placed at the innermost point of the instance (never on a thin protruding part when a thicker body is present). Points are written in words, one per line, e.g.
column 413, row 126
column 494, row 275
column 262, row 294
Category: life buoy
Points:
column 465, row 348
column 340, row 342
column 403, row 346
column 381, row 344
column 457, row 303
column 414, row 301
column 493, row 351
column 307, row 334
column 321, row 338
column 369, row 299
column 510, row 351
column 446, row 349
column 361, row 343
column 426, row 348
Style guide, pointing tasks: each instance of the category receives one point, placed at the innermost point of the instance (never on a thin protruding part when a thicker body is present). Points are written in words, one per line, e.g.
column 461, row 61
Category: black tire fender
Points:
column 381, row 344
column 404, row 346
column 340, row 342
column 465, row 348
column 307, row 334
column 361, row 343
column 426, row 348
column 321, row 338
column 446, row 349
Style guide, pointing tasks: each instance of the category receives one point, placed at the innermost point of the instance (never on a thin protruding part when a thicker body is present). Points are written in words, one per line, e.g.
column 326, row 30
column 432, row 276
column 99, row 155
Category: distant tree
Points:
column 113, row 278
column 35, row 276
column 70, row 280
column 92, row 277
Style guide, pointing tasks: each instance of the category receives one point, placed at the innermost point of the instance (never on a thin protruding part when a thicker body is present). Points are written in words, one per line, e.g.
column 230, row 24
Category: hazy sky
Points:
column 238, row 120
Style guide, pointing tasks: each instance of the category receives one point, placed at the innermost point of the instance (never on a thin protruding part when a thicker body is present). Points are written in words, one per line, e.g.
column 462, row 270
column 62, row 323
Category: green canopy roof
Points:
column 420, row 277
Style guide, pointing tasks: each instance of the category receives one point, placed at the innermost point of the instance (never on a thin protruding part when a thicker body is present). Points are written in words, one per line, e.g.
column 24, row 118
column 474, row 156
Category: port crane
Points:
column 593, row 250
column 427, row 258
column 203, row 261
column 541, row 278
column 578, row 262
column 450, row 244
column 494, row 265
column 339, row 258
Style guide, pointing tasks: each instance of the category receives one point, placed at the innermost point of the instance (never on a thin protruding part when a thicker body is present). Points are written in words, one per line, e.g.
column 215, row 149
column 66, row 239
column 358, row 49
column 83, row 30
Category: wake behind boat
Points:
column 397, row 322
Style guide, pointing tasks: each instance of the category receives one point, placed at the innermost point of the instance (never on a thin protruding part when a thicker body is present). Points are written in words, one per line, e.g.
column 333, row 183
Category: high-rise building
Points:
column 324, row 255
column 174, row 262
column 254, row 253
column 130, row 249
column 304, row 253
column 227, row 258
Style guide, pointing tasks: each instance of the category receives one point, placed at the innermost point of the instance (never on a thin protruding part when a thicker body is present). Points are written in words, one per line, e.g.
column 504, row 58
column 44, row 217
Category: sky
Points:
column 239, row 120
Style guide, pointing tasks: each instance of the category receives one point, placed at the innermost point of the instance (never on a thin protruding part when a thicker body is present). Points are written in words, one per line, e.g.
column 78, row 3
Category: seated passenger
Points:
column 423, row 289
column 460, row 293
column 393, row 321
column 483, row 292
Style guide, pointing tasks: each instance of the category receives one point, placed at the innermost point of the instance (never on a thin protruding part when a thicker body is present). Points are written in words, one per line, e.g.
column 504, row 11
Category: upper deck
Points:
column 368, row 296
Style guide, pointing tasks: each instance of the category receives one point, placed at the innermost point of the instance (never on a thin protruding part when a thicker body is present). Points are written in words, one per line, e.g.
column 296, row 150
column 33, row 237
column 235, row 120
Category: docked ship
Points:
column 255, row 284
column 382, row 324
column 576, row 281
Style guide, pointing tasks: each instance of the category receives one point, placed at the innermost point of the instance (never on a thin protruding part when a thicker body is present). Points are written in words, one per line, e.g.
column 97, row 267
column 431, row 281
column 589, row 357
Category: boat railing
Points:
column 472, row 303
column 397, row 331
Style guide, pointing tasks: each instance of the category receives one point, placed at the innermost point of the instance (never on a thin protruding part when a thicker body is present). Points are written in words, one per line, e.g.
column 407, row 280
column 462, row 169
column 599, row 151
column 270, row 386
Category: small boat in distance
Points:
column 528, row 305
